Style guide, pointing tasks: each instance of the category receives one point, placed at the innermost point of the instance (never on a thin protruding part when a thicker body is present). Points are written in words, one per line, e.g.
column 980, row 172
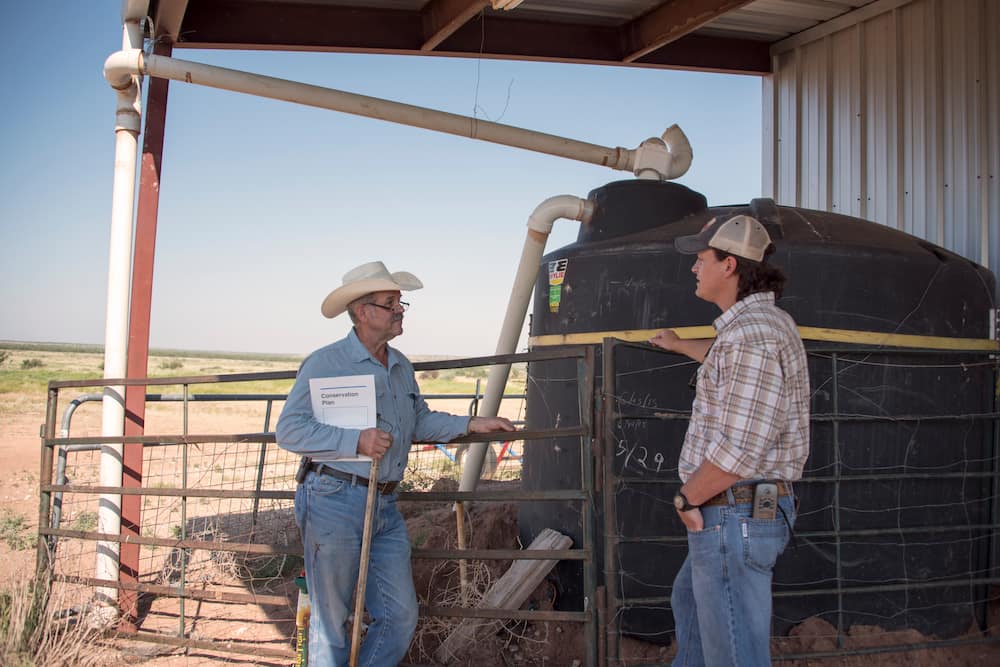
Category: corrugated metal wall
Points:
column 892, row 113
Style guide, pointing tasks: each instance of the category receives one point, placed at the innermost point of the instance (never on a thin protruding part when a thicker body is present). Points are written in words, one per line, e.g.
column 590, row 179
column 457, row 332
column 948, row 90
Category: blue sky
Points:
column 265, row 205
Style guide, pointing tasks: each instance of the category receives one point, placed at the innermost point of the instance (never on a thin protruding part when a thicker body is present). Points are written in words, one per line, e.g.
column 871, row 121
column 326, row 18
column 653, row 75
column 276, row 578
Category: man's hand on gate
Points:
column 374, row 442
column 489, row 424
column 667, row 339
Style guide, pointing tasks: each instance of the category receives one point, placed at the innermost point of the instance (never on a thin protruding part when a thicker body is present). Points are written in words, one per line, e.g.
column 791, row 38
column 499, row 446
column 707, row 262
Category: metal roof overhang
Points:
column 707, row 35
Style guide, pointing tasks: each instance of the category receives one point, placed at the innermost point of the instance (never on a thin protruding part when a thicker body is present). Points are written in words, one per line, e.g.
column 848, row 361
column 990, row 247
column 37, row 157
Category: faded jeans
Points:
column 330, row 513
column 722, row 594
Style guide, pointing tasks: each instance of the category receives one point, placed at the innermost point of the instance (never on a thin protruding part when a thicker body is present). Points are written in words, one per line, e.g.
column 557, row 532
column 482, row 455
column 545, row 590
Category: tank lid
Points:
column 626, row 207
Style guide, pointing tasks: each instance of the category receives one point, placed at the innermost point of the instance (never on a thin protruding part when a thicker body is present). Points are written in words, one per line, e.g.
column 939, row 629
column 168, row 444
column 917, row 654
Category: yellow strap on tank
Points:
column 875, row 338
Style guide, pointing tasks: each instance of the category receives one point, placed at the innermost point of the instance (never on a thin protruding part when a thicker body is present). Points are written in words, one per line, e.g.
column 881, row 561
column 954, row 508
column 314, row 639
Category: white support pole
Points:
column 127, row 125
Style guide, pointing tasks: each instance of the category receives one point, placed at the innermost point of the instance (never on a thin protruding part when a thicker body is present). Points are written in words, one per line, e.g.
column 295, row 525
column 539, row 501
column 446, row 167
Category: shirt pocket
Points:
column 408, row 412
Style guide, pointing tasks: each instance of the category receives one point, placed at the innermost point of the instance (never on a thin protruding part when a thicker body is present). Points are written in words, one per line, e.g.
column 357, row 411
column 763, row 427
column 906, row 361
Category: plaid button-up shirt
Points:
column 751, row 409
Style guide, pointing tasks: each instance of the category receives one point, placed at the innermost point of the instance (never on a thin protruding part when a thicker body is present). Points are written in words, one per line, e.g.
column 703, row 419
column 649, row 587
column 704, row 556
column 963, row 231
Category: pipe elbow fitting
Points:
column 680, row 151
column 663, row 158
column 545, row 214
column 121, row 66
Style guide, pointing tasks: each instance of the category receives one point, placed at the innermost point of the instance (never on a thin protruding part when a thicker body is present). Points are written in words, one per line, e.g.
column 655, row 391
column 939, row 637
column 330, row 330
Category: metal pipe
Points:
column 837, row 472
column 43, row 560
column 259, row 484
column 648, row 159
column 128, row 120
column 60, row 476
column 609, row 408
column 585, row 374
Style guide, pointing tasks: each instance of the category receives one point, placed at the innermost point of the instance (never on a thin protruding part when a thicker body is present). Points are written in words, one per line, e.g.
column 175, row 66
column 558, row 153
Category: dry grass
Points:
column 433, row 630
column 39, row 628
column 498, row 638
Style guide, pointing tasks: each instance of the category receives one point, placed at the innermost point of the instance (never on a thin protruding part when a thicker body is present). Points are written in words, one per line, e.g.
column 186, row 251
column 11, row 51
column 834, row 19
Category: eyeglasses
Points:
column 402, row 306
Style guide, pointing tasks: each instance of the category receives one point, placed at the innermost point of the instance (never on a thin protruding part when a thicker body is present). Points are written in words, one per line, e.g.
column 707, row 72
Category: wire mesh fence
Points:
column 895, row 544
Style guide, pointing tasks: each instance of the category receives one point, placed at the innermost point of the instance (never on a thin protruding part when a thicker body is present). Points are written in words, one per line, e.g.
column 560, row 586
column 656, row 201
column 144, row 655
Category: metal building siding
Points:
column 894, row 118
column 989, row 145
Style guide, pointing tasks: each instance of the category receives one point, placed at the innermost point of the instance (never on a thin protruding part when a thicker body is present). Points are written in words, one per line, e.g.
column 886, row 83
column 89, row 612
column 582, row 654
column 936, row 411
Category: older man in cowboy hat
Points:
column 330, row 500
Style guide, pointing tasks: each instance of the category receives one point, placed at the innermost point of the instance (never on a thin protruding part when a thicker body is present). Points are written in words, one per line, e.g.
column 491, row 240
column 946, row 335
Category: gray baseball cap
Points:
column 740, row 235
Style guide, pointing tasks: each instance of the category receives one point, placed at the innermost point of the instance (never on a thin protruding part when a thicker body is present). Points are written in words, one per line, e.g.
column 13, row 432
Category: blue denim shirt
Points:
column 398, row 402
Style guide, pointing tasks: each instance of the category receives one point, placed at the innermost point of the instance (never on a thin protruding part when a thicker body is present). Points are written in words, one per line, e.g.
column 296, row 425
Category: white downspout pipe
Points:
column 125, row 63
column 540, row 224
column 668, row 157
column 128, row 122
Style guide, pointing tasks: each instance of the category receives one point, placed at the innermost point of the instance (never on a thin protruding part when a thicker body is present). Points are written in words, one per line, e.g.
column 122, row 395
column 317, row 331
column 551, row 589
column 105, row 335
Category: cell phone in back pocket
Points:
column 765, row 501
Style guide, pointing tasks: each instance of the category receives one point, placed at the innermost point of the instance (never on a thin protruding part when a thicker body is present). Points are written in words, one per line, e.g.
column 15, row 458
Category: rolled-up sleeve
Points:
column 298, row 430
column 437, row 426
column 430, row 425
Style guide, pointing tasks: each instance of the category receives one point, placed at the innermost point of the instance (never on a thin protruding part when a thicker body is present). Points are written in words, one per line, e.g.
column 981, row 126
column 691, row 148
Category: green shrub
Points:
column 28, row 364
column 171, row 364
column 4, row 356
column 86, row 521
column 14, row 531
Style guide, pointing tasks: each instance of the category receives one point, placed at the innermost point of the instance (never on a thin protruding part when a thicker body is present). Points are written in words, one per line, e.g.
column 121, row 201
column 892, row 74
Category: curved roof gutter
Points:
column 659, row 159
column 650, row 155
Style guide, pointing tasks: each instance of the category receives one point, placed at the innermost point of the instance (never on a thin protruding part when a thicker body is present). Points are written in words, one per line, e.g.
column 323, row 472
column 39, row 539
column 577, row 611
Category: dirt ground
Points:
column 495, row 526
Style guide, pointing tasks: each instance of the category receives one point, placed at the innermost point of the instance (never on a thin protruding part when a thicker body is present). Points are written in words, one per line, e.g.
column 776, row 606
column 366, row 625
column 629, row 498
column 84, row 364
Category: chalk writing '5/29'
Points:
column 639, row 454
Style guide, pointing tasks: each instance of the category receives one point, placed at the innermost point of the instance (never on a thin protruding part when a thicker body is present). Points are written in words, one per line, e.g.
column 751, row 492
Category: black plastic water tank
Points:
column 898, row 484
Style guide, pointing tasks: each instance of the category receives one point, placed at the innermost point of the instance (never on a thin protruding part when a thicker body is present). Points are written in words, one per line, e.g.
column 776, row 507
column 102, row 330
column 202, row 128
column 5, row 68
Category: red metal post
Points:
column 138, row 339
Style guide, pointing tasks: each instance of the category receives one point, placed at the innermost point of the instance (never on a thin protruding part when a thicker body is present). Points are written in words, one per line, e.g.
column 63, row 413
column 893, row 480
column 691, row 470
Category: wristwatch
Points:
column 681, row 503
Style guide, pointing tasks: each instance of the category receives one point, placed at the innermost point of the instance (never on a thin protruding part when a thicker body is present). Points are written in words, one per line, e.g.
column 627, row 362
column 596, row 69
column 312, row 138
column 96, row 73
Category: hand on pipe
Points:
column 374, row 442
column 489, row 424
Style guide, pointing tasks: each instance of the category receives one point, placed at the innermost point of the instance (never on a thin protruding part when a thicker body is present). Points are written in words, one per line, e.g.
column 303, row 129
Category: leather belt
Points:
column 744, row 494
column 385, row 488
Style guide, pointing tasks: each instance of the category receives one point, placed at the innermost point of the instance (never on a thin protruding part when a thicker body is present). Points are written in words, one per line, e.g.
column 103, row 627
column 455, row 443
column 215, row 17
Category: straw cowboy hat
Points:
column 365, row 279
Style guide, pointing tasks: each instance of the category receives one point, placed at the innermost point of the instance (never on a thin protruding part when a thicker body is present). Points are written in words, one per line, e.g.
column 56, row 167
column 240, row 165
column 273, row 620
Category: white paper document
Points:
column 348, row 402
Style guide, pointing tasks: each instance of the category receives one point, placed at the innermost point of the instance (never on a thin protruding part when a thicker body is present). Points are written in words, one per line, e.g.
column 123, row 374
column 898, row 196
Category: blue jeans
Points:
column 722, row 594
column 330, row 513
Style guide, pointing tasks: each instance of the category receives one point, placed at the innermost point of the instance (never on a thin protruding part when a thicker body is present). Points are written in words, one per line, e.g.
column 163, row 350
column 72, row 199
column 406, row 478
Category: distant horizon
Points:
column 171, row 351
